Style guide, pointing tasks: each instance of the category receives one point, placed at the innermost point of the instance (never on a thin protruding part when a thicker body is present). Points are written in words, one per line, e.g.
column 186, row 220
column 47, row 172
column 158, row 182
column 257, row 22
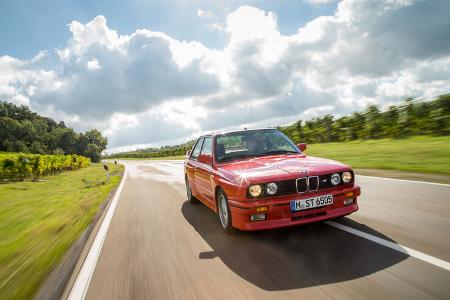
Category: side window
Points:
column 207, row 146
column 197, row 148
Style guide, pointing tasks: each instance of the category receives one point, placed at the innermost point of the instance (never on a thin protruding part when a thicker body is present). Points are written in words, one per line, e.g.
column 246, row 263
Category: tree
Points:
column 95, row 137
column 92, row 144
column 22, row 130
column 93, row 151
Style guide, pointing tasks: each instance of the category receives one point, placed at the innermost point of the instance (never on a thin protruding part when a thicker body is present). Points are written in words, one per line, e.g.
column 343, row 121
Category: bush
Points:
column 18, row 166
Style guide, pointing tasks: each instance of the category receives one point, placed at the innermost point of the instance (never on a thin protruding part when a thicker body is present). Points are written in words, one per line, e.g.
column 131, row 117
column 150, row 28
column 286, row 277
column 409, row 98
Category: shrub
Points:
column 18, row 166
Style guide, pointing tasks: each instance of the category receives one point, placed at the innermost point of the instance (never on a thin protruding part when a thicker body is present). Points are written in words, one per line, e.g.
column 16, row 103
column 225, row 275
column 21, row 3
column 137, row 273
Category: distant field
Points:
column 421, row 154
column 40, row 220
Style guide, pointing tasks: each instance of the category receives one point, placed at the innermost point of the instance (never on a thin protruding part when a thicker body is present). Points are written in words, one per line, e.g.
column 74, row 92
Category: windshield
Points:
column 251, row 143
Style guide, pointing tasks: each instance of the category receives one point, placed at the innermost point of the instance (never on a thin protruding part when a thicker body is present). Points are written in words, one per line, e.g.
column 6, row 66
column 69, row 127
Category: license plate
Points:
column 319, row 201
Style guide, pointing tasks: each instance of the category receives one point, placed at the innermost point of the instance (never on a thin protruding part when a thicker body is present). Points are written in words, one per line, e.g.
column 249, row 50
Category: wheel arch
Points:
column 216, row 191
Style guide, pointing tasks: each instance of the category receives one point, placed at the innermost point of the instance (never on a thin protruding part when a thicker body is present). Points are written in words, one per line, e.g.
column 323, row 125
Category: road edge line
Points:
column 397, row 247
column 81, row 285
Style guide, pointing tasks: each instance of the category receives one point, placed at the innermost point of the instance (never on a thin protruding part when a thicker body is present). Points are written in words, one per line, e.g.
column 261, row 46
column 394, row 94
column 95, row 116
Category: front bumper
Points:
column 280, row 215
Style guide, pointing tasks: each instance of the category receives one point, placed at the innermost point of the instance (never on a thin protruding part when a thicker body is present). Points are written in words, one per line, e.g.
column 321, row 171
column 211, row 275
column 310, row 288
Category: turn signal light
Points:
column 262, row 209
column 349, row 194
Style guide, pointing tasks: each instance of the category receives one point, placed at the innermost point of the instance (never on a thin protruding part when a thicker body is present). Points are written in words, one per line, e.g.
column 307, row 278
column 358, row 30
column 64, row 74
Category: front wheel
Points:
column 189, row 195
column 224, row 212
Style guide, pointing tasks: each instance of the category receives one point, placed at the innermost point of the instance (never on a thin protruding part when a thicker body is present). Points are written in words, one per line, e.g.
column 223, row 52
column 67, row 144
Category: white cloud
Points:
column 206, row 14
column 93, row 64
column 147, row 87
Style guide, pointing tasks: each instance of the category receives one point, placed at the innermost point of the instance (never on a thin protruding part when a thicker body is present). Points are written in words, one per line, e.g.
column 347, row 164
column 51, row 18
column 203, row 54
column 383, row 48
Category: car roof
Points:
column 223, row 132
column 240, row 130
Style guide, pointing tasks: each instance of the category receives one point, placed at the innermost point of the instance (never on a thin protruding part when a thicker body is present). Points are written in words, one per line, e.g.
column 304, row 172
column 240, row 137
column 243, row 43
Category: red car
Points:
column 259, row 179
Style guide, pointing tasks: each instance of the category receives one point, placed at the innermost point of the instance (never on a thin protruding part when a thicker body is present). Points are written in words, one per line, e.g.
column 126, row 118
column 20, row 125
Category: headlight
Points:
column 255, row 190
column 346, row 177
column 271, row 188
column 335, row 179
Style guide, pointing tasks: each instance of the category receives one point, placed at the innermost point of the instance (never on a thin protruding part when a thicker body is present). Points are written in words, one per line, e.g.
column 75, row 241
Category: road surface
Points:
column 158, row 246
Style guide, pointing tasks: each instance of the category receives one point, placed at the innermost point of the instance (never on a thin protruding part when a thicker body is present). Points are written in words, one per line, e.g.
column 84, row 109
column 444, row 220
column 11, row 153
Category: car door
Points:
column 191, row 165
column 203, row 171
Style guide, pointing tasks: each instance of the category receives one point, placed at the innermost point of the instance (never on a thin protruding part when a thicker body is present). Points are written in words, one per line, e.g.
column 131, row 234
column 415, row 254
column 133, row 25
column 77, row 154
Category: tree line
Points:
column 22, row 130
column 412, row 117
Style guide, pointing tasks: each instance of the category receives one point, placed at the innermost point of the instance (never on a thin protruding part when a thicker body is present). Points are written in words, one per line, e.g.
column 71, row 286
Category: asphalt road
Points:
column 158, row 246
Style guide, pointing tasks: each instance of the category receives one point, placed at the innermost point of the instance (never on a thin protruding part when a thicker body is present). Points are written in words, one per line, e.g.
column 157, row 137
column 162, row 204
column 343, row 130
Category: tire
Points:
column 189, row 195
column 223, row 210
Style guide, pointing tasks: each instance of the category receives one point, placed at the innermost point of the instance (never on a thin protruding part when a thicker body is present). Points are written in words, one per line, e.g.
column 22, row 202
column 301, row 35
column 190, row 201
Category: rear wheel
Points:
column 224, row 212
column 189, row 195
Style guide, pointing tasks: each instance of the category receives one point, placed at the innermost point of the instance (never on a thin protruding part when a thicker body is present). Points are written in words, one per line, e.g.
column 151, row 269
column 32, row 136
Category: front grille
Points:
column 303, row 185
column 313, row 183
column 307, row 184
column 286, row 187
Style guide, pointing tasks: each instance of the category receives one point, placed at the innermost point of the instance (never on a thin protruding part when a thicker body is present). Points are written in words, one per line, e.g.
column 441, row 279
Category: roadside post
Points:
column 105, row 167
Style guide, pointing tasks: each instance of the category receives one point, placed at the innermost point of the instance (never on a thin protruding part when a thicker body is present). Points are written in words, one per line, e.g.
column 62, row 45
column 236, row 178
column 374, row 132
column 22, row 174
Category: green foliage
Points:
column 18, row 166
column 22, row 130
column 413, row 117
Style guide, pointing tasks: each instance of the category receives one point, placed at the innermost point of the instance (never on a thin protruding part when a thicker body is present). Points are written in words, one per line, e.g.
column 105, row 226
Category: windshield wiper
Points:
column 228, row 158
column 278, row 152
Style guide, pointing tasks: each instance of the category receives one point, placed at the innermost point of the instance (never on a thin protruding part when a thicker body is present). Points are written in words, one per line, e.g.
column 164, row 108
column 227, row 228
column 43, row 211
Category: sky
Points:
column 153, row 73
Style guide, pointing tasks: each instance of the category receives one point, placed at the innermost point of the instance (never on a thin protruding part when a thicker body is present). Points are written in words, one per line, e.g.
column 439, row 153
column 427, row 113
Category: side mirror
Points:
column 302, row 147
column 205, row 159
column 188, row 153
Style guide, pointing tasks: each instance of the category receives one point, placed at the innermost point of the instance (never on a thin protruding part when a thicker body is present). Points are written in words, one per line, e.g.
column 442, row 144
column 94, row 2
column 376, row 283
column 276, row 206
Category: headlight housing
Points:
column 271, row 188
column 335, row 179
column 255, row 190
column 347, row 177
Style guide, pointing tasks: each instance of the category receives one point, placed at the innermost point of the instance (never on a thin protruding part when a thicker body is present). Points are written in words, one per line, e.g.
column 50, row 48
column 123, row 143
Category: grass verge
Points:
column 422, row 154
column 40, row 221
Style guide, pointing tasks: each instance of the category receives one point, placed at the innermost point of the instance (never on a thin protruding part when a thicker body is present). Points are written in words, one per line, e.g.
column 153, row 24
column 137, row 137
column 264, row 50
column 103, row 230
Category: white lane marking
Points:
column 411, row 252
column 405, row 180
column 81, row 285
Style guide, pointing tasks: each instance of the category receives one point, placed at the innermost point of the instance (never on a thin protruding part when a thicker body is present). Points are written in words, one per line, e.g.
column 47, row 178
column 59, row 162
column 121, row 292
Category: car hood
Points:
column 284, row 167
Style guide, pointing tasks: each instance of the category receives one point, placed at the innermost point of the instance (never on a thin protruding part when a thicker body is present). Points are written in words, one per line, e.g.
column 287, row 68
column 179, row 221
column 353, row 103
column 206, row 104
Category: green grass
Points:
column 41, row 220
column 422, row 154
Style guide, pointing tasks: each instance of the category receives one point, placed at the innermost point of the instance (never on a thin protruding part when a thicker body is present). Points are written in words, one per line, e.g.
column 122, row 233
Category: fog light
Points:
column 262, row 209
column 349, row 194
column 348, row 201
column 257, row 217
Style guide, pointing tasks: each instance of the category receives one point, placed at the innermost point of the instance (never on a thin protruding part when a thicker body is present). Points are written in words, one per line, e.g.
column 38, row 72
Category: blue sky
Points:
column 27, row 27
column 150, row 73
